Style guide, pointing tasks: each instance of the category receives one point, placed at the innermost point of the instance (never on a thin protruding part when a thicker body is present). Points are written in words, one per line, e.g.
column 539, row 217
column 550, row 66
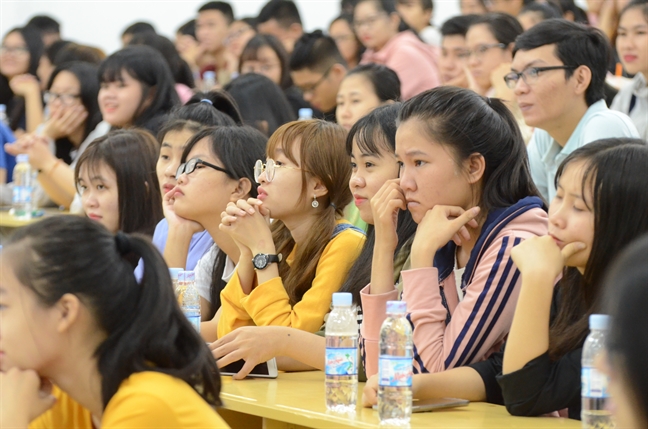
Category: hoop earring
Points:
column 315, row 203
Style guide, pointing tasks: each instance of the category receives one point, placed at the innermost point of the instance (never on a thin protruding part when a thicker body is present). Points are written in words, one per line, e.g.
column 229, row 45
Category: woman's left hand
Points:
column 38, row 149
column 438, row 227
column 370, row 392
column 248, row 222
column 542, row 256
column 25, row 396
column 25, row 85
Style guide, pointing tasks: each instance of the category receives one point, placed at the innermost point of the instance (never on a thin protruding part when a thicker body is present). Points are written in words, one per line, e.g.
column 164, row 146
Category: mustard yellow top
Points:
column 144, row 400
column 269, row 303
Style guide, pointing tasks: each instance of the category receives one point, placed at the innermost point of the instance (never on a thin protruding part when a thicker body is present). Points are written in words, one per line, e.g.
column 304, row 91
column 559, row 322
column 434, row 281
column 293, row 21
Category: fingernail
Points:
column 476, row 210
column 251, row 211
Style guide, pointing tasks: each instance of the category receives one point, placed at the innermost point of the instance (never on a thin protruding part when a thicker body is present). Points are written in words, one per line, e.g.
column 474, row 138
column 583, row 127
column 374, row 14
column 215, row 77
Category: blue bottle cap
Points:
column 23, row 157
column 305, row 112
column 342, row 299
column 599, row 321
column 396, row 307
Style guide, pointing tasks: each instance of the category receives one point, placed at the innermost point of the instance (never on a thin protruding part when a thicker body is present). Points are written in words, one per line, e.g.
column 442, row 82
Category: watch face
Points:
column 260, row 261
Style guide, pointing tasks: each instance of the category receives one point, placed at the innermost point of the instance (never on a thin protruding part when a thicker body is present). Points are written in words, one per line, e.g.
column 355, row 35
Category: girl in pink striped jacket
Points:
column 465, row 179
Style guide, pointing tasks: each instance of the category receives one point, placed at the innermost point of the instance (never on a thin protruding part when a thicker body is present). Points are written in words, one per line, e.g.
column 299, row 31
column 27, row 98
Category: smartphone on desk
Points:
column 265, row 370
column 421, row 406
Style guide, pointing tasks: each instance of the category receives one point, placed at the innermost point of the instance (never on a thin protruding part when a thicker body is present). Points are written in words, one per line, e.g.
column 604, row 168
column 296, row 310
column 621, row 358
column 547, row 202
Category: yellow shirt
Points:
column 269, row 304
column 144, row 400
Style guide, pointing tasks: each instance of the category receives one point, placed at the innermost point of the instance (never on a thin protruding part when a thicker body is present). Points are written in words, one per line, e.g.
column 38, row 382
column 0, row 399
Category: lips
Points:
column 167, row 187
column 629, row 58
column 261, row 193
column 94, row 216
column 359, row 200
column 558, row 241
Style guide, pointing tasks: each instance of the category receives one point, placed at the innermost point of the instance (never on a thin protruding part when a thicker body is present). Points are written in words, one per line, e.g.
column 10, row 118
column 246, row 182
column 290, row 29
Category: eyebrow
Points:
column 529, row 64
column 100, row 178
column 415, row 152
column 633, row 28
column 165, row 144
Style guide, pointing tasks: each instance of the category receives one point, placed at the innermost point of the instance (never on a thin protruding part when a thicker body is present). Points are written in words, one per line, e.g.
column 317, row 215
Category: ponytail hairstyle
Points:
column 237, row 148
column 132, row 155
column 148, row 67
column 385, row 81
column 375, row 134
column 322, row 153
column 210, row 109
column 144, row 327
column 615, row 173
column 470, row 124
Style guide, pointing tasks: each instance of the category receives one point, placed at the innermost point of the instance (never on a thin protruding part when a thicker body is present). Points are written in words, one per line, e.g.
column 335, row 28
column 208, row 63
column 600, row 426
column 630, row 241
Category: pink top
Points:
column 184, row 92
column 414, row 62
column 479, row 322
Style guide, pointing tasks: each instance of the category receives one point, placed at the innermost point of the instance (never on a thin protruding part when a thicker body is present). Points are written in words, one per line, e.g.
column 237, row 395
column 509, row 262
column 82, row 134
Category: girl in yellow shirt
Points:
column 73, row 314
column 289, row 268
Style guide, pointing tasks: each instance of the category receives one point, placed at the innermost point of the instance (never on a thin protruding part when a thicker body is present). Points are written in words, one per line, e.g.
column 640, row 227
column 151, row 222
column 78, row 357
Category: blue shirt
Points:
column 545, row 154
column 200, row 243
column 7, row 161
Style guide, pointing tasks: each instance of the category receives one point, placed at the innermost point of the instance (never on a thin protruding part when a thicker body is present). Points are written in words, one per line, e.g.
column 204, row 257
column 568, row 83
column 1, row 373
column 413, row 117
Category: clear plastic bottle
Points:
column 173, row 272
column 305, row 113
column 22, row 188
column 3, row 115
column 342, row 355
column 395, row 367
column 188, row 297
column 209, row 81
column 594, row 393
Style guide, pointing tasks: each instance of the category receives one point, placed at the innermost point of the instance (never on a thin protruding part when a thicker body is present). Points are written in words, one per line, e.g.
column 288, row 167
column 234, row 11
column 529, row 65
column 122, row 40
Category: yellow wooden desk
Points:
column 296, row 400
column 9, row 221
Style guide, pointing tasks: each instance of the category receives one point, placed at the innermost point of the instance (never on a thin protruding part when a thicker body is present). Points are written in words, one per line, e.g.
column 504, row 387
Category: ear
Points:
column 474, row 166
column 582, row 78
column 296, row 30
column 395, row 20
column 243, row 188
column 338, row 71
column 569, row 16
column 317, row 188
column 68, row 308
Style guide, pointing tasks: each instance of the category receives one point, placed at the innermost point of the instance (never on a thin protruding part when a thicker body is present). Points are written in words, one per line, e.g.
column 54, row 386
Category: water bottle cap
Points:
column 209, row 75
column 174, row 272
column 342, row 299
column 23, row 157
column 599, row 321
column 3, row 108
column 397, row 307
column 305, row 112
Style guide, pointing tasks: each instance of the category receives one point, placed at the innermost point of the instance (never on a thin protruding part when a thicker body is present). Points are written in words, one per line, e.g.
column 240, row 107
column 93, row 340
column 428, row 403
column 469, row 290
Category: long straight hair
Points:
column 237, row 148
column 615, row 173
column 144, row 326
column 375, row 134
column 132, row 155
column 323, row 156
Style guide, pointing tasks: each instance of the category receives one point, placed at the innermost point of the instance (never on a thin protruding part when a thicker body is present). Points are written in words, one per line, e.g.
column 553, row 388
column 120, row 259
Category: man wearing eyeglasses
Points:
column 317, row 69
column 558, row 76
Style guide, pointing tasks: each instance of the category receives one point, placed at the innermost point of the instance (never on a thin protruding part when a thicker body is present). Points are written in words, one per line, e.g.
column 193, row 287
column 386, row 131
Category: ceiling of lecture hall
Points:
column 100, row 22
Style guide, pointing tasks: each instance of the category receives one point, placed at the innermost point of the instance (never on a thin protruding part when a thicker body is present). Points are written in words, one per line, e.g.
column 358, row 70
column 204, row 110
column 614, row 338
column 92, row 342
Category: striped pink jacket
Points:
column 448, row 331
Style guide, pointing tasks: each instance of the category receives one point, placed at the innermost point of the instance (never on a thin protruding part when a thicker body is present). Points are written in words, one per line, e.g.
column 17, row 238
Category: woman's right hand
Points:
column 176, row 221
column 64, row 122
column 25, row 396
column 25, row 85
column 384, row 206
column 370, row 392
column 37, row 147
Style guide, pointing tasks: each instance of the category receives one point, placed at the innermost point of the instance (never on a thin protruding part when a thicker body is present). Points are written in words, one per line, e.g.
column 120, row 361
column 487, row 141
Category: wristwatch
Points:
column 262, row 260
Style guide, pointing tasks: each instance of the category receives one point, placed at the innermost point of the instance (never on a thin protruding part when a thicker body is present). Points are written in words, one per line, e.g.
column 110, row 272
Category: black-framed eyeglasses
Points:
column 189, row 167
column 530, row 75
column 480, row 50
column 65, row 99
column 314, row 86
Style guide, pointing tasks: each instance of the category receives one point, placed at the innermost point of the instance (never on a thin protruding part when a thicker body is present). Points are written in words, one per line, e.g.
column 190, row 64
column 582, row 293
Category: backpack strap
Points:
column 340, row 227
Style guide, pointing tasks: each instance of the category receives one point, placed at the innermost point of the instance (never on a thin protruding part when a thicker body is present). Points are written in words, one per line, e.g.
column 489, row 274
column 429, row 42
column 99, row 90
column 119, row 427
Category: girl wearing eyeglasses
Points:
column 116, row 179
column 216, row 167
column 289, row 268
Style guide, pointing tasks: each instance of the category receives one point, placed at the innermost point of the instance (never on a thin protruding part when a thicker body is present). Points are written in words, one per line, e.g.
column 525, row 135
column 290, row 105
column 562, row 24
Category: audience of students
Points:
column 350, row 47
column 380, row 30
column 558, row 74
column 317, row 69
column 632, row 46
column 280, row 18
column 453, row 203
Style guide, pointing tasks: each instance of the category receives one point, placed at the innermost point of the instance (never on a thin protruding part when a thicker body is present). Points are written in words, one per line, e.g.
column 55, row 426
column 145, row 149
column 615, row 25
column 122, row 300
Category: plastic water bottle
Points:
column 3, row 115
column 22, row 188
column 305, row 113
column 188, row 297
column 395, row 367
column 173, row 272
column 209, row 81
column 594, row 392
column 342, row 355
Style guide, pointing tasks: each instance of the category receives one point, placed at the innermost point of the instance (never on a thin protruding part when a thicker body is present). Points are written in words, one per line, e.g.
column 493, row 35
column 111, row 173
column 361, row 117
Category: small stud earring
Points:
column 315, row 204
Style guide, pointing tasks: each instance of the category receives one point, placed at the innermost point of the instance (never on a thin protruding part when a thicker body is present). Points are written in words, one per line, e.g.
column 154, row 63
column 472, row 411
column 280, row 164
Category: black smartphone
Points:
column 421, row 406
column 266, row 369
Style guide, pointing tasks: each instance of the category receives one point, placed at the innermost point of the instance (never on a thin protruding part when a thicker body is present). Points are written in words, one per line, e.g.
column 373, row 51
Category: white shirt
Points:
column 205, row 268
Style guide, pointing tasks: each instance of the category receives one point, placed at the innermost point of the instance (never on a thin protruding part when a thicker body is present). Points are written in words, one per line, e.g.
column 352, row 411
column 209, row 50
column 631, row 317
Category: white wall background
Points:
column 100, row 22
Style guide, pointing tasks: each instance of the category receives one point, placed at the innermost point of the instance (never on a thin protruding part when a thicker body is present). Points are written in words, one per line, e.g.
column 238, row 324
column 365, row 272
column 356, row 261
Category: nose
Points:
column 170, row 170
column 181, row 179
column 556, row 215
column 356, row 181
column 521, row 87
column 407, row 182
column 344, row 110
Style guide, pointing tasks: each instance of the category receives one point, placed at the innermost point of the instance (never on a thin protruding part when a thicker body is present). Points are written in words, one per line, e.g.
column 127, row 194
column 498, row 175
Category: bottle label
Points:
column 22, row 194
column 341, row 361
column 194, row 320
column 395, row 371
column 593, row 383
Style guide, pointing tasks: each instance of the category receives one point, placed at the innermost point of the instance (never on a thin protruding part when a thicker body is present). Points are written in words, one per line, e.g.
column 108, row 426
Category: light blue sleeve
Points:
column 608, row 124
column 537, row 167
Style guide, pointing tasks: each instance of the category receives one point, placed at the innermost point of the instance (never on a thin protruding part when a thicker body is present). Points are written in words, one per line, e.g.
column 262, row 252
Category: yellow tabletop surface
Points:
column 297, row 400
column 9, row 221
